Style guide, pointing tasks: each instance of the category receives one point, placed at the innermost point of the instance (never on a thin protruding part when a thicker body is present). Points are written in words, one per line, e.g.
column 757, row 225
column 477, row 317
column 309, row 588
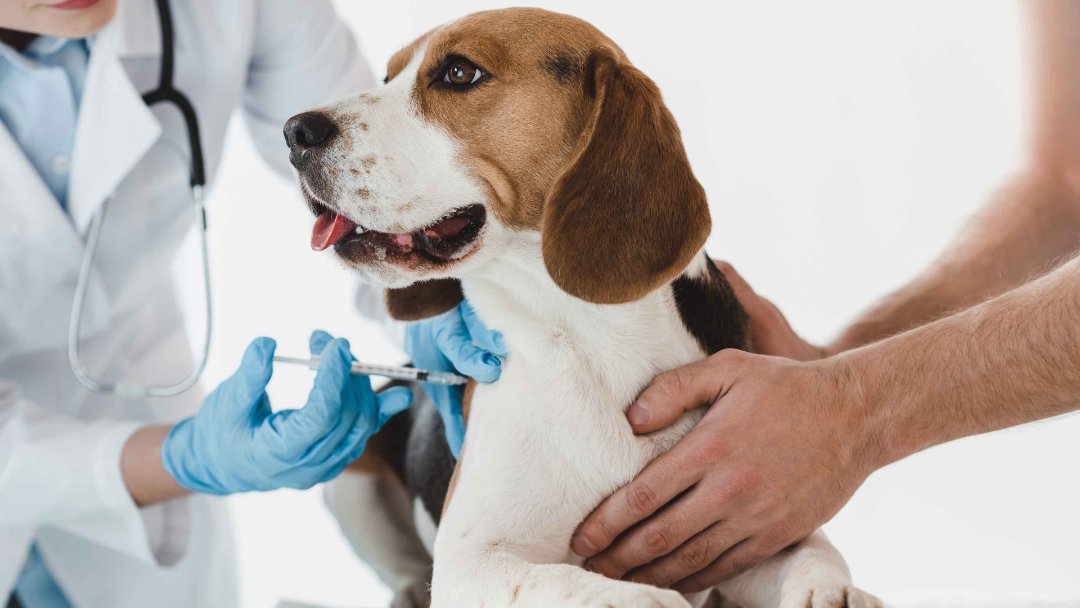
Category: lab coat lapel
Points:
column 29, row 209
column 116, row 129
column 40, row 260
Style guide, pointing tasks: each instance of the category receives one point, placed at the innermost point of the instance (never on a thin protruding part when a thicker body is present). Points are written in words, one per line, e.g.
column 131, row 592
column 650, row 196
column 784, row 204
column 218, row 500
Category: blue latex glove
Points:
column 237, row 444
column 455, row 341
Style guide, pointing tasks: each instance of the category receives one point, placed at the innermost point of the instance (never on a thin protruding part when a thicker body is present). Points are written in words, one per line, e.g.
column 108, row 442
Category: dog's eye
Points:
column 462, row 74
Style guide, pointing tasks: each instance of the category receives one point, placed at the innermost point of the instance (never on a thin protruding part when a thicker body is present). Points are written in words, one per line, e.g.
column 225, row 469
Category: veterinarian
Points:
column 789, row 438
column 96, row 482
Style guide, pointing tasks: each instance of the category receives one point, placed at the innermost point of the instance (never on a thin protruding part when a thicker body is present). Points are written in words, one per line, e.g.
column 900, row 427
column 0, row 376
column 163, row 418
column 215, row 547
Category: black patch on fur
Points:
column 566, row 69
column 429, row 464
column 710, row 311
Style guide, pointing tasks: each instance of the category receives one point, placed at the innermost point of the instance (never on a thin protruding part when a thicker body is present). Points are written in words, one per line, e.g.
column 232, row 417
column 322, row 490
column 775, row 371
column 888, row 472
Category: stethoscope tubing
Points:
column 164, row 93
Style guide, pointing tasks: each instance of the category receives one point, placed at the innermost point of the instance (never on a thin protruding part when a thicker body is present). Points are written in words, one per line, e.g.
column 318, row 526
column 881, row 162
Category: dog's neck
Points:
column 620, row 347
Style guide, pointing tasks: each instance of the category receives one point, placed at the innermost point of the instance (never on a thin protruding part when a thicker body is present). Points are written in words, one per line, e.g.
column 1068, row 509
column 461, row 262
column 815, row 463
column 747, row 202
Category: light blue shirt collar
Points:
column 40, row 48
column 40, row 92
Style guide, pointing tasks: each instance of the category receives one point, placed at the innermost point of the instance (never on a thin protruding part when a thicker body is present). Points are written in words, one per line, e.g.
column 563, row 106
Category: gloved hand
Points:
column 455, row 341
column 237, row 444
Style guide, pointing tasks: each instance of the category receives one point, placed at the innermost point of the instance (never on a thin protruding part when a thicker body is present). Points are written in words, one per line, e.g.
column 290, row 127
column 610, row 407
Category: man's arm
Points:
column 1030, row 226
column 821, row 428
column 1008, row 361
column 731, row 498
column 1033, row 222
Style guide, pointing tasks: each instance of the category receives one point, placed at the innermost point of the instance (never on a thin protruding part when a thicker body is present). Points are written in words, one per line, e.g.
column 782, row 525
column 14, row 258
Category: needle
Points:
column 385, row 371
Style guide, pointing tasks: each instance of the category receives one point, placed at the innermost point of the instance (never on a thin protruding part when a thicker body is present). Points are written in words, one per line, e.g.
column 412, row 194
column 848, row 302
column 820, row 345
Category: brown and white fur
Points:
column 588, row 256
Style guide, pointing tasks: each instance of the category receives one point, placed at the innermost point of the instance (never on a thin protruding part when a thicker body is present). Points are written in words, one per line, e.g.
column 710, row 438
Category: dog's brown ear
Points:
column 627, row 214
column 424, row 299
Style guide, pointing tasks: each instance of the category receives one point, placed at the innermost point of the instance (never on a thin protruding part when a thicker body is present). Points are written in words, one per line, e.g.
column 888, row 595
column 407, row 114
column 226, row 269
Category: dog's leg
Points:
column 491, row 576
column 810, row 574
column 472, row 573
column 375, row 515
column 375, row 512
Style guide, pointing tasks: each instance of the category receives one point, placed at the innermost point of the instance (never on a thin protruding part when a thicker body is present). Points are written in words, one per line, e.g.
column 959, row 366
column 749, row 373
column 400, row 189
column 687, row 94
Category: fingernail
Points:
column 639, row 414
column 587, row 549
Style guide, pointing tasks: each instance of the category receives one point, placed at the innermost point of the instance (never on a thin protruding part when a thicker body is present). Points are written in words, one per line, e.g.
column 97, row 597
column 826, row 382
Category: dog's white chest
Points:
column 550, row 439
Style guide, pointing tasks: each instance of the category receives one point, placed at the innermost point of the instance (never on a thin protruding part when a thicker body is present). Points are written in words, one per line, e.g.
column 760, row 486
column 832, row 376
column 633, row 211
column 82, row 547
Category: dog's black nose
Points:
column 306, row 131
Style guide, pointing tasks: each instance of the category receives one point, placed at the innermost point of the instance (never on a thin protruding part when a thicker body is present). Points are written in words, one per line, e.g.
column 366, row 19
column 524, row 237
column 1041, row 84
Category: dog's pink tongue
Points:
column 329, row 229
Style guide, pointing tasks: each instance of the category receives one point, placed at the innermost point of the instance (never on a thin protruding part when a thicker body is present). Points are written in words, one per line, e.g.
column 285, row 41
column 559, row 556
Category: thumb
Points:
column 325, row 401
column 239, row 397
column 256, row 368
column 318, row 341
column 675, row 392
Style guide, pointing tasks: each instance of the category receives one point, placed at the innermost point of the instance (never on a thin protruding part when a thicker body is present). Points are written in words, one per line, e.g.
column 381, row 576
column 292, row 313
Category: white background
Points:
column 841, row 144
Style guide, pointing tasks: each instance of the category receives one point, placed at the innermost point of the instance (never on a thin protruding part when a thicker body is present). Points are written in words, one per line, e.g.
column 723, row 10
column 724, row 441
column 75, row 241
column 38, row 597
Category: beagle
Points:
column 518, row 157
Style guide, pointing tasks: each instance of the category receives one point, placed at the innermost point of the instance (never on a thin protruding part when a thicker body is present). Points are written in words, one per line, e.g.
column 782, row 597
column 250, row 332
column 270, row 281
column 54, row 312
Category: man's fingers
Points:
column 680, row 390
column 742, row 289
column 756, row 306
column 769, row 328
column 663, row 533
column 740, row 558
column 690, row 558
column 664, row 479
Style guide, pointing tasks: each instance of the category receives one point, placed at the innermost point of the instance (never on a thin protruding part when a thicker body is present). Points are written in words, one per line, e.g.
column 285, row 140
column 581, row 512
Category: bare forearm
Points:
column 1033, row 221
column 147, row 480
column 1030, row 226
column 1010, row 360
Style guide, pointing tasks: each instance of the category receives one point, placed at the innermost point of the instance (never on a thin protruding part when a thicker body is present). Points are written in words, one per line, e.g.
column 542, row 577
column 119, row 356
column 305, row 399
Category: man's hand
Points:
column 770, row 332
column 780, row 450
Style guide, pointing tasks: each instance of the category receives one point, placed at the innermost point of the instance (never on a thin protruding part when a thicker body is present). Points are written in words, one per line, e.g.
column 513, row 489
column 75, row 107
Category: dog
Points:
column 517, row 157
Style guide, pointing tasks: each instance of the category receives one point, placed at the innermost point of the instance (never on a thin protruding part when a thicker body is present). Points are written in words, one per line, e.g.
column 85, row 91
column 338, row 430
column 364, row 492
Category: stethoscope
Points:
column 164, row 93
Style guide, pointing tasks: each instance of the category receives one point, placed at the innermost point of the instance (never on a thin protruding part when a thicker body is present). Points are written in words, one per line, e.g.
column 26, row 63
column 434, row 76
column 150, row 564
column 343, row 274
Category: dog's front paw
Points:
column 629, row 595
column 829, row 595
column 572, row 587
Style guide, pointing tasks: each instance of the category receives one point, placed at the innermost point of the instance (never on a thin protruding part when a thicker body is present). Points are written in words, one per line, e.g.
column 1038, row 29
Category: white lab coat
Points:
column 60, row 481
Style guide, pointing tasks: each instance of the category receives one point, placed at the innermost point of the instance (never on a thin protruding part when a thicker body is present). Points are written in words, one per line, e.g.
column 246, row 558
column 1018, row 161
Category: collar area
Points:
column 40, row 49
column 135, row 31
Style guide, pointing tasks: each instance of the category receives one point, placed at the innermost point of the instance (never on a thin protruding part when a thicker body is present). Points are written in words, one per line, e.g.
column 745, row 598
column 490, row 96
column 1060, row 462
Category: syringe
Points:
column 385, row 371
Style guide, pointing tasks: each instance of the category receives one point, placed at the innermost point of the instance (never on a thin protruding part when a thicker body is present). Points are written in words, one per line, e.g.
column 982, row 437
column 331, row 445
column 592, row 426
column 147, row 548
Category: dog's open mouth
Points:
column 440, row 241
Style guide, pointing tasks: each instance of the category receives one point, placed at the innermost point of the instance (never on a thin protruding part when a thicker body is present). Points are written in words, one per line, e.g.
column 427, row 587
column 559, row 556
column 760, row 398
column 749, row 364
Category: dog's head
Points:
column 499, row 124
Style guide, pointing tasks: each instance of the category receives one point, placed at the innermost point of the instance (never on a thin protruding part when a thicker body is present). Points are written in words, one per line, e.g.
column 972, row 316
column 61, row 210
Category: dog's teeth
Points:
column 359, row 230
